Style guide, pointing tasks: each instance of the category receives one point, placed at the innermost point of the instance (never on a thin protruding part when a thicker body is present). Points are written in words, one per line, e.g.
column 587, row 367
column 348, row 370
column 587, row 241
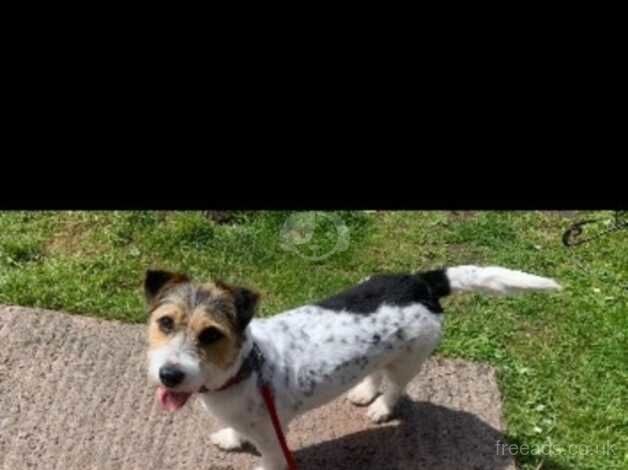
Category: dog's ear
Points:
column 156, row 281
column 245, row 301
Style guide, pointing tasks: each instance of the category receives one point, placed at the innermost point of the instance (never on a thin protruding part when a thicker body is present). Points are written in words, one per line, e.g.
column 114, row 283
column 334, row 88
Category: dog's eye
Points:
column 209, row 335
column 166, row 324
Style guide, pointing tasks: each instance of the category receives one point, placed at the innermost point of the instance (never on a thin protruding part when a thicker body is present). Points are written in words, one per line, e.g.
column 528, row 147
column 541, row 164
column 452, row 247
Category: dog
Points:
column 203, row 341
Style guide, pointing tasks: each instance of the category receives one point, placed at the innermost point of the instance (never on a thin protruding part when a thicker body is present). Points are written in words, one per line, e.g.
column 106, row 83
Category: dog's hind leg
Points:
column 367, row 390
column 398, row 374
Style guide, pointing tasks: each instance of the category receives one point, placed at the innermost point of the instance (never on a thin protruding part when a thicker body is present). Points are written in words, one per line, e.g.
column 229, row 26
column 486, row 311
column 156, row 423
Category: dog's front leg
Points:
column 272, row 457
column 227, row 439
column 265, row 440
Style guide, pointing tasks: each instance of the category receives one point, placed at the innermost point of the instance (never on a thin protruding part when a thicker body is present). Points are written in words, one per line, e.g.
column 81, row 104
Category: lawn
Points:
column 561, row 358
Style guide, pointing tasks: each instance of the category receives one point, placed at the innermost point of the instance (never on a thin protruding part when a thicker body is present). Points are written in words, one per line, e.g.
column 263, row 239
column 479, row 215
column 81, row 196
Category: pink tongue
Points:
column 170, row 400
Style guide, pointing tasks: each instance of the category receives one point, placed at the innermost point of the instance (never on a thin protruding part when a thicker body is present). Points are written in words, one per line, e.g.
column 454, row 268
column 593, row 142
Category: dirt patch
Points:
column 568, row 214
column 462, row 253
column 73, row 239
column 522, row 344
column 74, row 395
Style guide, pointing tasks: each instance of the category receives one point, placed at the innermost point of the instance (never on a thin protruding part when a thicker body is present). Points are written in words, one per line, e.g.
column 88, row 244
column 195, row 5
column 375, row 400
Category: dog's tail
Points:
column 489, row 280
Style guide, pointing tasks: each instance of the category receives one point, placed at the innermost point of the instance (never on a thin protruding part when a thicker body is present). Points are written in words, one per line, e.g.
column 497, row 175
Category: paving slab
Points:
column 74, row 395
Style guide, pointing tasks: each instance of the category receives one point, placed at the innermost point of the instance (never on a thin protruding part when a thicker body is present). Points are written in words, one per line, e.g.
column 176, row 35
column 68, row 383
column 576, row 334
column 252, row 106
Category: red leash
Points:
column 267, row 395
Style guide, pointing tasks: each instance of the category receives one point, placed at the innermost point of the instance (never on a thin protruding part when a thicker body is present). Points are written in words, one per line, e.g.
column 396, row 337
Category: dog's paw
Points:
column 227, row 439
column 362, row 395
column 379, row 411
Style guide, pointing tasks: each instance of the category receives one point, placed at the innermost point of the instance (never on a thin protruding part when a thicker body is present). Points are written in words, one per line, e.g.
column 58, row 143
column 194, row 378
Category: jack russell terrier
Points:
column 204, row 341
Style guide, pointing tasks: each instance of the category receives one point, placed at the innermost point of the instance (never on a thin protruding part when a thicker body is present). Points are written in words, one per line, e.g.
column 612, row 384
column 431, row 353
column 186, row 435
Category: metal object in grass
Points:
column 573, row 235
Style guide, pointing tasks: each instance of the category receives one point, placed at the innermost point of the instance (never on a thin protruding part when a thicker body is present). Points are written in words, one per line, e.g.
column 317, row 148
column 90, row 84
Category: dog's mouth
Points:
column 171, row 400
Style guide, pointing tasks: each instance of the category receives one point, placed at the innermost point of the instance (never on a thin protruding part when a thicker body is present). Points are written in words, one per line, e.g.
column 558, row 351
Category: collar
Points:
column 252, row 363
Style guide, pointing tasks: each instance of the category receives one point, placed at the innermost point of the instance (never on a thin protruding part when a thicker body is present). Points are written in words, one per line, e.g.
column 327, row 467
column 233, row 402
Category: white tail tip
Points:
column 496, row 280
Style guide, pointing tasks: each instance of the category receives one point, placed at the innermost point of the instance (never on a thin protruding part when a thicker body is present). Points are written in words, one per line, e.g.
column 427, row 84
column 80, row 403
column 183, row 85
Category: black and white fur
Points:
column 377, row 333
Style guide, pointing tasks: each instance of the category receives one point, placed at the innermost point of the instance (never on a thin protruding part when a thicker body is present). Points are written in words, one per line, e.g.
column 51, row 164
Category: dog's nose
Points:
column 170, row 376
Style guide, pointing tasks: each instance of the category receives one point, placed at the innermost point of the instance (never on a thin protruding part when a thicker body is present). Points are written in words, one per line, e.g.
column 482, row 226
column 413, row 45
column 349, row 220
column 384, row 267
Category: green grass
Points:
column 561, row 359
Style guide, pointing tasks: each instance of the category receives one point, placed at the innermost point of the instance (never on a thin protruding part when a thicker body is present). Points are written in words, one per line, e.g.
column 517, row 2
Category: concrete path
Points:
column 74, row 395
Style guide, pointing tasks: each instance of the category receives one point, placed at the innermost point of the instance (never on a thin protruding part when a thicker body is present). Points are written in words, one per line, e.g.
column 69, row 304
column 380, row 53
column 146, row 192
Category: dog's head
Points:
column 195, row 333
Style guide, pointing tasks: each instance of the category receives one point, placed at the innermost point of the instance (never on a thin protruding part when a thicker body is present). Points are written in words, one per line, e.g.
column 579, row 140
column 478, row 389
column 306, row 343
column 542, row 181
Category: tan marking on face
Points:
column 223, row 351
column 156, row 337
column 211, row 288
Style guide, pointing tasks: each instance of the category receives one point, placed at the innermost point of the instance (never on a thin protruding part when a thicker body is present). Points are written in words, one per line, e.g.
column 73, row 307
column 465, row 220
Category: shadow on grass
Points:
column 535, row 461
